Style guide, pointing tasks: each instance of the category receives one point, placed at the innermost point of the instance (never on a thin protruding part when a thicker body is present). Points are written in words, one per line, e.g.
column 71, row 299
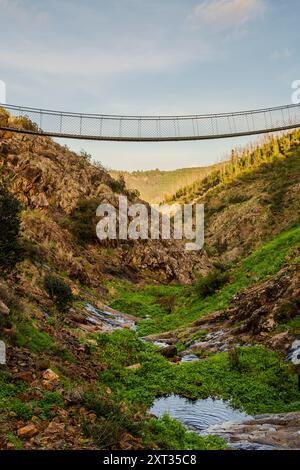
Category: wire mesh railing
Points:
column 151, row 128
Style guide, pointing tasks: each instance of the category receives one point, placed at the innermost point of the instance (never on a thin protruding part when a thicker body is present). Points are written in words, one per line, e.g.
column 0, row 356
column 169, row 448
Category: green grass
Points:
column 37, row 341
column 186, row 307
column 15, row 441
column 168, row 434
column 263, row 384
column 10, row 400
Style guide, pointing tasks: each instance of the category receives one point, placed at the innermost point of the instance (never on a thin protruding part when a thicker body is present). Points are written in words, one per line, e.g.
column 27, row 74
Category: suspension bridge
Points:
column 150, row 128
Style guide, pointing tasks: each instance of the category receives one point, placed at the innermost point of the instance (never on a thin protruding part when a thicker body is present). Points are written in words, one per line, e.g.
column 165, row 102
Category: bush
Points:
column 10, row 248
column 59, row 292
column 234, row 360
column 106, row 433
column 83, row 221
column 118, row 185
column 287, row 311
column 208, row 285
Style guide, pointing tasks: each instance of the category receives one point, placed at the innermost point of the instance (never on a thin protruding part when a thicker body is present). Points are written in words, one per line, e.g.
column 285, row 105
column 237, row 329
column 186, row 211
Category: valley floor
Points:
column 80, row 382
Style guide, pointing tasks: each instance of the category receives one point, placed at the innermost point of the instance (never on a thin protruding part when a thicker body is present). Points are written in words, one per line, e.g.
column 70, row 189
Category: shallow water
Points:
column 198, row 415
column 189, row 358
column 294, row 353
column 101, row 317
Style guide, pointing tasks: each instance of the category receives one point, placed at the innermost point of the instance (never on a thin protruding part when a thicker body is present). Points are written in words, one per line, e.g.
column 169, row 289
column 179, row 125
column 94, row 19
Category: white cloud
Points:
column 24, row 15
column 224, row 14
column 278, row 55
column 98, row 62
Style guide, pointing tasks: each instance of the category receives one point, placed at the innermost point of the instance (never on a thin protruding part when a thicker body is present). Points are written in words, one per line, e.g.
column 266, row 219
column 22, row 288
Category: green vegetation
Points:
column 187, row 307
column 168, row 434
column 82, row 221
column 10, row 390
column 29, row 336
column 10, row 248
column 15, row 441
column 59, row 292
column 261, row 383
column 208, row 285
column 243, row 162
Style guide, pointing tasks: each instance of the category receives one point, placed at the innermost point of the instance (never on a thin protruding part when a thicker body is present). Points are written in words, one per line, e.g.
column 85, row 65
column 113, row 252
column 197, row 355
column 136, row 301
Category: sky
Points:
column 150, row 57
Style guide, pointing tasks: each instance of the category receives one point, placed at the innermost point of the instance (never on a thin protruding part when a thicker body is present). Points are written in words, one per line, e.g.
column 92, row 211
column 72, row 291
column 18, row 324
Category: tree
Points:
column 10, row 248
column 59, row 292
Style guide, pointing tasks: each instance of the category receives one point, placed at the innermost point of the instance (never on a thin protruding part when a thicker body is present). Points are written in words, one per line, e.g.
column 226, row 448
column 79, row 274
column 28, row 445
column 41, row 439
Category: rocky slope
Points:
column 50, row 181
column 253, row 199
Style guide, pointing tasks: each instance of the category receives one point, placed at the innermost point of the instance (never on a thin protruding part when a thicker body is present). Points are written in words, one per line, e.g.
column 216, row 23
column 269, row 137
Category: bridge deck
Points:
column 152, row 128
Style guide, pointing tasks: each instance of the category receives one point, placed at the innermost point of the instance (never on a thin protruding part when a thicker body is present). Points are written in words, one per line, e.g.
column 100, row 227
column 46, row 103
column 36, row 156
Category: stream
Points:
column 197, row 415
column 112, row 320
column 213, row 416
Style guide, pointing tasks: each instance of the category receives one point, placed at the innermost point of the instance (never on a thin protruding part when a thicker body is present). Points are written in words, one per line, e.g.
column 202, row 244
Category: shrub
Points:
column 287, row 311
column 10, row 248
column 208, row 285
column 83, row 221
column 59, row 292
column 106, row 433
column 234, row 360
column 118, row 185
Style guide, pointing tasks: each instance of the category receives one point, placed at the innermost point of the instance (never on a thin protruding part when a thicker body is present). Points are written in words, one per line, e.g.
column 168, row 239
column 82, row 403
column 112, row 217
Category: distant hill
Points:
column 155, row 185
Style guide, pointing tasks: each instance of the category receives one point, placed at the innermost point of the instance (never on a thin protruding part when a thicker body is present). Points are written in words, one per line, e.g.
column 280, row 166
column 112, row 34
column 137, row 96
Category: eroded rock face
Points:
column 278, row 431
column 47, row 174
column 50, row 180
column 168, row 260
column 267, row 304
column 252, row 317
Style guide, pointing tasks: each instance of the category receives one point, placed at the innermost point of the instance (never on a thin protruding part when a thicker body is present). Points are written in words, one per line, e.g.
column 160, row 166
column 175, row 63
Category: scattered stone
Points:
column 4, row 310
column 73, row 397
column 134, row 366
column 28, row 431
column 42, row 364
column 168, row 351
column 54, row 428
column 50, row 376
column 26, row 376
column 262, row 432
column 2, row 353
column 92, row 417
column 50, row 386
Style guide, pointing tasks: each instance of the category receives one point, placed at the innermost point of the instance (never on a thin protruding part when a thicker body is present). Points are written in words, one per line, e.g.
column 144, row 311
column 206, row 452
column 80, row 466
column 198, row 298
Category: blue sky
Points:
column 150, row 57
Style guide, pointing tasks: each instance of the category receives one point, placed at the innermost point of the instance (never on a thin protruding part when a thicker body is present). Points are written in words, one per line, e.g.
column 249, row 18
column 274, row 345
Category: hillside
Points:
column 250, row 200
column 73, row 310
column 155, row 185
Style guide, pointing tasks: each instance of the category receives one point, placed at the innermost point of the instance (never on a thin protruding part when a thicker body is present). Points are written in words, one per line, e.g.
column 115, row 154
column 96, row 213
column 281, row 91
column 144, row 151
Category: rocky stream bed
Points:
column 211, row 416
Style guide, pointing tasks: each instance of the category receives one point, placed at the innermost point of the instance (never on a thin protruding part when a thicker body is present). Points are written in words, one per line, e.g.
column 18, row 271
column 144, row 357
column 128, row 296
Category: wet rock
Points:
column 281, row 341
column 168, row 351
column 77, row 317
column 294, row 353
column 278, row 431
